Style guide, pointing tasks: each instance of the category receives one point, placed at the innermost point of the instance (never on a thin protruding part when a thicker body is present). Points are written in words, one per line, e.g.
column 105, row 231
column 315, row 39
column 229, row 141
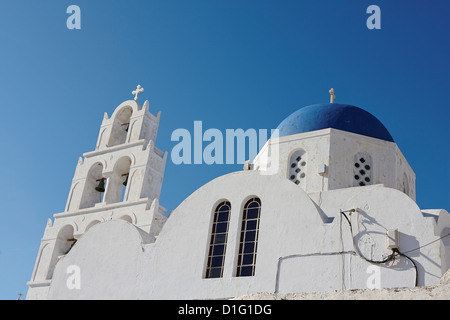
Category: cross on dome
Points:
column 138, row 90
column 332, row 96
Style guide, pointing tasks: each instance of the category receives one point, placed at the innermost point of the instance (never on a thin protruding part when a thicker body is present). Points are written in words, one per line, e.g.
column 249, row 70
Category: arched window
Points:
column 362, row 169
column 248, row 238
column 218, row 242
column 297, row 167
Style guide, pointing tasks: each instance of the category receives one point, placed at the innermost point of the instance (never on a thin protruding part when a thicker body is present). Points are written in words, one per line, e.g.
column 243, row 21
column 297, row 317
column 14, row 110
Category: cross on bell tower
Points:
column 138, row 90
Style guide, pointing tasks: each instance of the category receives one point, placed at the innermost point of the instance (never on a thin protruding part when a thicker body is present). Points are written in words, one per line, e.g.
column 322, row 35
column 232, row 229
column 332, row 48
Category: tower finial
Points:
column 332, row 96
column 138, row 90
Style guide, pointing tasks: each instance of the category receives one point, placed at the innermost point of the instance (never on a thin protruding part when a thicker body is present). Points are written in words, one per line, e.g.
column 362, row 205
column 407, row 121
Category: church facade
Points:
column 327, row 204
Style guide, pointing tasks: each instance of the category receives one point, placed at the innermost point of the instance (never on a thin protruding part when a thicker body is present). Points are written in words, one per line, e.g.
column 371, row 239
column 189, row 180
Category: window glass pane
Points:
column 249, row 247
column 251, row 224
column 220, row 238
column 216, row 261
column 253, row 204
column 215, row 273
column 224, row 208
column 221, row 227
column 222, row 216
column 250, row 236
column 247, row 259
column 218, row 250
column 252, row 213
column 246, row 271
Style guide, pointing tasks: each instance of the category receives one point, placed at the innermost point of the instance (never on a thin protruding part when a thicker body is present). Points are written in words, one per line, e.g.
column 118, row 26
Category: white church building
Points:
column 327, row 204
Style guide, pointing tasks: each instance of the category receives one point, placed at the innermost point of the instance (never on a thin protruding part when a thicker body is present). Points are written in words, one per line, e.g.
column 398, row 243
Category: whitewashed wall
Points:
column 292, row 224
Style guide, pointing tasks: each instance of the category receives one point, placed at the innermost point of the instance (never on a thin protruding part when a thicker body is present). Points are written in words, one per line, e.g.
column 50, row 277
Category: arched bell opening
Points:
column 118, row 181
column 64, row 242
column 120, row 127
column 94, row 187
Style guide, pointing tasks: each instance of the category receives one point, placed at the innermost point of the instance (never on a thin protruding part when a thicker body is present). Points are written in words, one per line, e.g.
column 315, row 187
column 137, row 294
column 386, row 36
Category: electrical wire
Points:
column 280, row 259
column 427, row 244
column 412, row 261
column 391, row 257
column 387, row 259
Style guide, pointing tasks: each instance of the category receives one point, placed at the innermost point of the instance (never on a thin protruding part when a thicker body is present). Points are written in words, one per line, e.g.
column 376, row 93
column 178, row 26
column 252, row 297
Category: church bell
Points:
column 126, row 180
column 101, row 185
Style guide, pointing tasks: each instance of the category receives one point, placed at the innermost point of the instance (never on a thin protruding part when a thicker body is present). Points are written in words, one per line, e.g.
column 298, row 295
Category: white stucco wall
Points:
column 436, row 292
column 291, row 224
column 109, row 258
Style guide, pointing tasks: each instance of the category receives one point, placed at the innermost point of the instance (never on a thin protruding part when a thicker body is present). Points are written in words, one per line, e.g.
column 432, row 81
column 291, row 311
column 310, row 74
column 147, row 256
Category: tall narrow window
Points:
column 249, row 238
column 218, row 243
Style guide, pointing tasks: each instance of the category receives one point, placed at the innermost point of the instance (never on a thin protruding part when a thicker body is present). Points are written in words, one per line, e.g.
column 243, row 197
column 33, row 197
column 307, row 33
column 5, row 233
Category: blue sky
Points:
column 228, row 63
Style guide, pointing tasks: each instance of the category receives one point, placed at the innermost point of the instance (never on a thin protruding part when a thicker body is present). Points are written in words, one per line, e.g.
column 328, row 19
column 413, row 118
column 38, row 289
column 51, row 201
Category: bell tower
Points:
column 120, row 179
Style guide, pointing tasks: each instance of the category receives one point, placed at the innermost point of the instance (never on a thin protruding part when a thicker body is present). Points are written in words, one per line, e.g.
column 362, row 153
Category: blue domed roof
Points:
column 334, row 115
